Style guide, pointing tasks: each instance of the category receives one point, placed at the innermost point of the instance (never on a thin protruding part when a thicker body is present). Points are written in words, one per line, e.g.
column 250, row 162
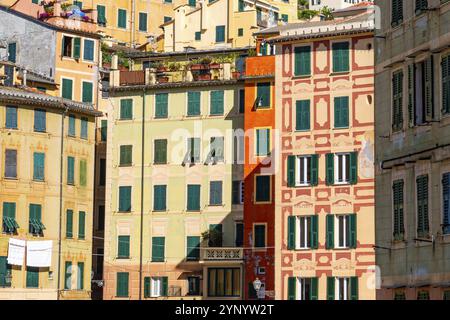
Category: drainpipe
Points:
column 61, row 160
column 142, row 195
column 133, row 9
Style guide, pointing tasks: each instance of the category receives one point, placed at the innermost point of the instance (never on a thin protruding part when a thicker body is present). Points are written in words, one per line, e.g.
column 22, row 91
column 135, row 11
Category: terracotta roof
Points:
column 26, row 96
column 184, row 84
column 193, row 52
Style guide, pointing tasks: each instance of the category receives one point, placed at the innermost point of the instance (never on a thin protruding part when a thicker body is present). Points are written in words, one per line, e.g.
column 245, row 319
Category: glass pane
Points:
column 228, row 282
column 236, row 282
column 307, row 231
column 212, row 282
column 341, row 230
column 220, row 282
column 302, row 232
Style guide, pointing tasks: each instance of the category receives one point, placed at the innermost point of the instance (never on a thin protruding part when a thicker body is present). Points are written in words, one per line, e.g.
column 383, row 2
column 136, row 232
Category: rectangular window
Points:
column 143, row 21
column 88, row 52
column 5, row 273
column 341, row 57
column 72, row 130
column 224, row 282
column 215, row 193
column 341, row 115
column 306, row 170
column 68, row 275
column 303, row 118
column 102, row 178
column 198, row 35
column 39, row 120
column 10, row 163
column 12, row 52
column 84, row 128
column 11, row 117
column 263, row 95
column 397, row 12
column 421, row 6
column 241, row 5
column 161, row 105
column 167, row 19
column 124, row 199
column 193, row 103
column 215, row 236
column 83, row 173
column 126, row 109
column 423, row 228
column 122, row 19
column 123, row 247
column 193, row 154
column 158, row 246
column 216, row 152
column 304, row 227
column 192, row 3
column 302, row 61
column 304, row 289
column 88, row 89
column 193, row 248
column 285, row 18
column 101, row 218
column 193, row 286
column 241, row 100
column 159, row 287
column 238, row 192
column 81, row 225
column 240, row 32
column 342, row 289
column 446, row 203
column 239, row 235
column 399, row 227
column 445, row 66
column 160, row 148
column 104, row 130
column 69, row 223
column 217, row 102
column 263, row 188
column 32, row 277
column 101, row 15
column 342, row 165
column 80, row 279
column 70, row 170
column 159, row 201
column 262, row 142
column 38, row 166
column 193, row 197
column 35, row 226
column 397, row 101
column 122, row 284
column 220, row 33
column 342, row 231
column 260, row 236
column 126, row 156
column 67, row 89
column 9, row 218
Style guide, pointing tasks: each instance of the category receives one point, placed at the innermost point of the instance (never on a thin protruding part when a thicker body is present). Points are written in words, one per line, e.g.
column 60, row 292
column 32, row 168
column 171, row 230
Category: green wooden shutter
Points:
column 314, row 170
column 88, row 89
column 291, row 288
column 215, row 193
column 263, row 94
column 397, row 12
column 353, row 167
column 122, row 284
column 330, row 231
column 80, row 282
column 353, row 227
column 445, row 203
column 160, row 151
column 193, row 103
column 83, row 173
column 193, row 248
column 397, row 104
column 35, row 220
column 69, row 223
column 354, row 288
column 125, row 199
column 70, row 170
column 411, row 95
column 12, row 52
column 330, row 169
column 445, row 67
column 126, row 155
column 291, row 232
column 38, row 166
column 104, row 130
column 314, row 292
column 341, row 112
column 147, row 288
column 126, row 109
column 217, row 102
column 429, row 92
column 32, row 277
column 11, row 117
column 165, row 286
column 123, row 246
column 397, row 190
column 159, row 202
column 68, row 275
column 84, row 128
column 81, row 224
column 76, row 48
column 72, row 130
column 314, row 232
column 143, row 21
column 5, row 269
column 122, row 19
column 158, row 245
column 291, row 171
column 302, row 61
column 161, row 105
column 330, row 288
column 101, row 15
column 67, row 89
column 303, row 115
column 422, row 206
column 193, row 198
column 220, row 33
column 341, row 57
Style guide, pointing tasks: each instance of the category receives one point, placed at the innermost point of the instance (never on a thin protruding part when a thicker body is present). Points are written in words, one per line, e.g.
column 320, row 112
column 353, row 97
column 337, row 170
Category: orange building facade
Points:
column 259, row 205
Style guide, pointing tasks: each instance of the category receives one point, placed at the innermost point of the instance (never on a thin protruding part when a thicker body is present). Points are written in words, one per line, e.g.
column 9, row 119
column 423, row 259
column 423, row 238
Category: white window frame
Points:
column 299, row 294
column 302, row 233
column 155, row 287
column 346, row 292
column 301, row 162
column 336, row 231
column 346, row 157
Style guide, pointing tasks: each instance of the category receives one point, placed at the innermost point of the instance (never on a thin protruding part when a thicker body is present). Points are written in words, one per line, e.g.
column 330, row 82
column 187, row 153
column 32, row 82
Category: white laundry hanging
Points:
column 39, row 253
column 16, row 251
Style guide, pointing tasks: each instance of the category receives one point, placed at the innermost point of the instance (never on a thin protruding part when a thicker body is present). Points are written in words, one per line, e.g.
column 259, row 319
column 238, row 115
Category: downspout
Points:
column 229, row 20
column 133, row 9
column 142, row 195
column 63, row 115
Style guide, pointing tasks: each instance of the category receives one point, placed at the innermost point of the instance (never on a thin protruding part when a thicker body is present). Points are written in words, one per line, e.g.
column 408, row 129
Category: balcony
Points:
column 232, row 254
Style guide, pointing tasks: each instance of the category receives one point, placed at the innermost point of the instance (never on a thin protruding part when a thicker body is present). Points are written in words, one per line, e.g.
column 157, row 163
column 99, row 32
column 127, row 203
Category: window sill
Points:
column 160, row 163
column 123, row 258
column 160, row 211
column 341, row 128
column 39, row 131
column 38, row 181
column 263, row 202
column 11, row 178
column 339, row 73
column 124, row 211
column 302, row 76
column 130, row 119
column 125, row 165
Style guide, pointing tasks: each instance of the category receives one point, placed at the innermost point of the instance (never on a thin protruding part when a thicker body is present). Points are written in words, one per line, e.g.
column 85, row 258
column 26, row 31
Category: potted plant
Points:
column 160, row 67
column 162, row 79
column 203, row 77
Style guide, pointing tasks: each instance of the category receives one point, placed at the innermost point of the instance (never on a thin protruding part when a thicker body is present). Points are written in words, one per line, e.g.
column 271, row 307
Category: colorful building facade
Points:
column 174, row 212
column 324, row 194
column 412, row 155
